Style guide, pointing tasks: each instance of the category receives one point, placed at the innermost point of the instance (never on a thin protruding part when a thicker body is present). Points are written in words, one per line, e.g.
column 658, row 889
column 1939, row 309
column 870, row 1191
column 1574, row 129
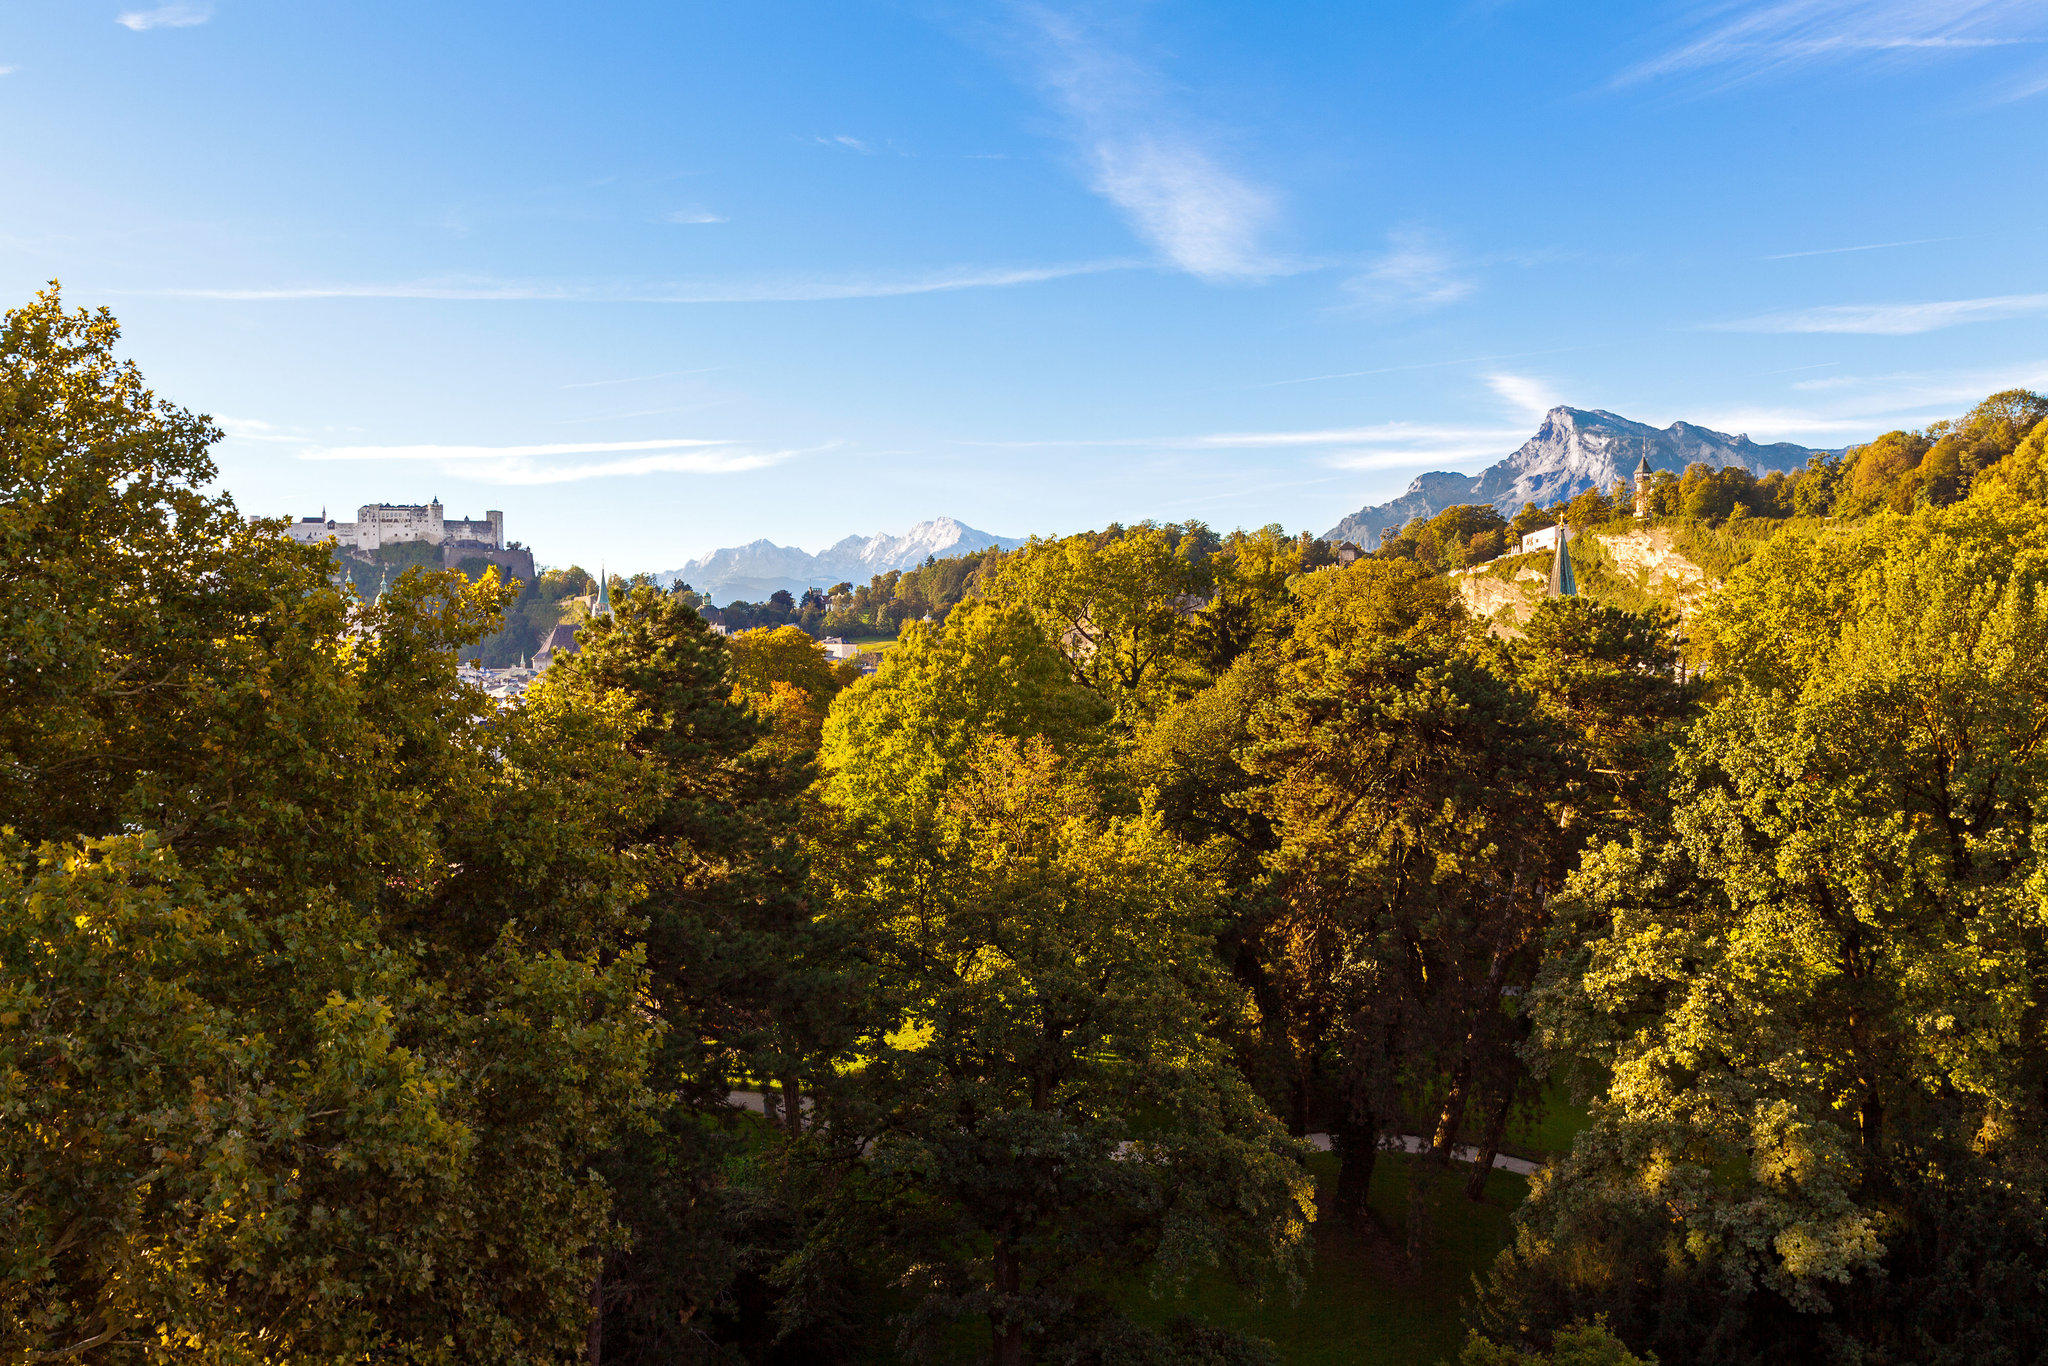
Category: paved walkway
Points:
column 1411, row 1143
column 1407, row 1143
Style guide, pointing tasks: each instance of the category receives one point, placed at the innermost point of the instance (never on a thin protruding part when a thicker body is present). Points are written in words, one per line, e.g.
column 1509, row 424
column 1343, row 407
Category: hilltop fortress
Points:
column 381, row 524
column 378, row 525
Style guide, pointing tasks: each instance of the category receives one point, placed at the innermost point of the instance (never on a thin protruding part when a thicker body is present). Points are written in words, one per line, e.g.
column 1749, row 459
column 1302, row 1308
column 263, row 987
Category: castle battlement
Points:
column 381, row 524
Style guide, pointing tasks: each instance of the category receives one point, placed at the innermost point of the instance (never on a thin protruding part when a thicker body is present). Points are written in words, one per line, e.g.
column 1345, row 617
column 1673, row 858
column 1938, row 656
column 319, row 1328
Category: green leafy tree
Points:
column 1586, row 1344
column 1120, row 606
column 1819, row 996
column 897, row 740
column 1589, row 509
column 1410, row 788
column 747, row 982
column 281, row 1078
column 2025, row 474
column 1048, row 1116
column 1531, row 518
column 785, row 675
column 1249, row 602
column 1454, row 538
column 1611, row 678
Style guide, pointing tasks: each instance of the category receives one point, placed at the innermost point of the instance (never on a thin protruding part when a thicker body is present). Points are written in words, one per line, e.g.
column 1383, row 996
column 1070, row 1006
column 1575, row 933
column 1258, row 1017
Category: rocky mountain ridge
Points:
column 1575, row 449
column 754, row 571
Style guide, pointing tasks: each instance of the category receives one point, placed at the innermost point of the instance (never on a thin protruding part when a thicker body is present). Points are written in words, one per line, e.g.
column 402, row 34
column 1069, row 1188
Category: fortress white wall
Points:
column 382, row 524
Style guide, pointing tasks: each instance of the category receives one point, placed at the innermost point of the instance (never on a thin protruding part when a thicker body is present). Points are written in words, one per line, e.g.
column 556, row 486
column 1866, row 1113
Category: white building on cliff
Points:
column 382, row 524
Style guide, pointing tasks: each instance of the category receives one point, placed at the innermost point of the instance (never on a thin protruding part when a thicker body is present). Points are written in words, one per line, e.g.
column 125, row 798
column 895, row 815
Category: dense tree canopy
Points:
column 711, row 1004
column 1045, row 1107
column 1819, row 995
column 260, row 1011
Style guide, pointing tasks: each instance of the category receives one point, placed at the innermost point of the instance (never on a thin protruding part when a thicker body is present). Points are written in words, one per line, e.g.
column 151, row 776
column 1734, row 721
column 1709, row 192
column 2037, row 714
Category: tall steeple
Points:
column 1643, row 486
column 604, row 592
column 1563, row 583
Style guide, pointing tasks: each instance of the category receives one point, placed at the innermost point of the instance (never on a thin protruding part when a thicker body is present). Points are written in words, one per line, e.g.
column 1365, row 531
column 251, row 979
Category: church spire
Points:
column 604, row 592
column 1563, row 583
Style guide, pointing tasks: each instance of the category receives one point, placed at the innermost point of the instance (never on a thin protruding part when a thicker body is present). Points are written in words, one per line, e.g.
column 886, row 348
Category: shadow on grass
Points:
column 1362, row 1302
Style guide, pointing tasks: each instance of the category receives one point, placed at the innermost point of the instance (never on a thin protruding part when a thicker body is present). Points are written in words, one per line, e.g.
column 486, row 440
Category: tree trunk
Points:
column 1434, row 1157
column 1489, row 1148
column 1437, row 1156
column 793, row 1104
column 1009, row 1321
column 1356, row 1137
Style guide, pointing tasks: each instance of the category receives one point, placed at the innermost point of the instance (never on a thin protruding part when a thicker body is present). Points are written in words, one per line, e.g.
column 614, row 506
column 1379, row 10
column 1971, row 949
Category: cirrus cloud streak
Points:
column 564, row 462
column 164, row 16
column 796, row 290
column 1892, row 320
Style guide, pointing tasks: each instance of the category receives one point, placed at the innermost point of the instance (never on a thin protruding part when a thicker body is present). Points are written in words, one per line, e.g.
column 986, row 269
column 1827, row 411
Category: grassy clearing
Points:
column 1550, row 1129
column 1362, row 1304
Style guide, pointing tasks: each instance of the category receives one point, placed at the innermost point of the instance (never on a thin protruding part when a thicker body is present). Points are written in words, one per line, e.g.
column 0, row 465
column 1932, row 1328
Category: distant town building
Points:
column 1545, row 539
column 503, row 686
column 381, row 524
column 836, row 649
column 560, row 641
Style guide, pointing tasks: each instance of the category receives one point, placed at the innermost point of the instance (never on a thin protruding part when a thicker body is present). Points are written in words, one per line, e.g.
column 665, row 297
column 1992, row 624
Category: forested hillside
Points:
column 1151, row 959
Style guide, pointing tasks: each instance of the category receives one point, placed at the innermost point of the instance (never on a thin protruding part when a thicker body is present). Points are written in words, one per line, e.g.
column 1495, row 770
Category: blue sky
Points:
column 659, row 278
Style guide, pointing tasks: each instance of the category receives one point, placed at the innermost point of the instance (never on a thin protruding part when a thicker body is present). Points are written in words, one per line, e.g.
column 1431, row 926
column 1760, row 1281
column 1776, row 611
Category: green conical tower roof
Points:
column 604, row 592
column 1563, row 583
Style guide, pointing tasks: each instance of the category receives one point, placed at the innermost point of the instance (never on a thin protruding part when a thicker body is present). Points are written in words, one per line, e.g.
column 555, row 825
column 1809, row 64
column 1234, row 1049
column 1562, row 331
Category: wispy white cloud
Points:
column 1415, row 273
column 1379, row 446
column 1147, row 160
column 692, row 217
column 1739, row 41
column 791, row 290
column 670, row 411
column 1868, row 246
column 8, row 70
column 1417, row 365
column 1425, row 454
column 1925, row 388
column 1378, row 434
column 641, row 379
column 1787, row 424
column 1842, row 409
column 845, row 142
column 567, row 462
column 165, row 16
column 1893, row 320
column 459, row 453
column 1529, row 396
column 254, row 429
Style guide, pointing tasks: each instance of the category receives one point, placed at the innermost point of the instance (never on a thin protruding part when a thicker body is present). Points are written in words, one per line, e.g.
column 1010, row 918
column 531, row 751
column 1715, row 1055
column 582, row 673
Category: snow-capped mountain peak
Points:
column 752, row 572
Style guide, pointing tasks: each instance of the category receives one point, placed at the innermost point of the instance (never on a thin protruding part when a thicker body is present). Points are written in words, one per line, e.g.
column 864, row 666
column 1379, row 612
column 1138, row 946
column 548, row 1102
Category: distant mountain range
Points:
column 1572, row 451
column 752, row 572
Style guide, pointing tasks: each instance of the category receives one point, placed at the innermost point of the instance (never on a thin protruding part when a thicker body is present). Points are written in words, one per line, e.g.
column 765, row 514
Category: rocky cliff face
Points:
column 1572, row 451
column 752, row 572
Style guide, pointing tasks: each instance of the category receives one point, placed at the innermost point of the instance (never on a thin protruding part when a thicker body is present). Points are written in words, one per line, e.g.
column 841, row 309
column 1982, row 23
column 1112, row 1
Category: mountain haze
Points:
column 1574, row 450
column 752, row 572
